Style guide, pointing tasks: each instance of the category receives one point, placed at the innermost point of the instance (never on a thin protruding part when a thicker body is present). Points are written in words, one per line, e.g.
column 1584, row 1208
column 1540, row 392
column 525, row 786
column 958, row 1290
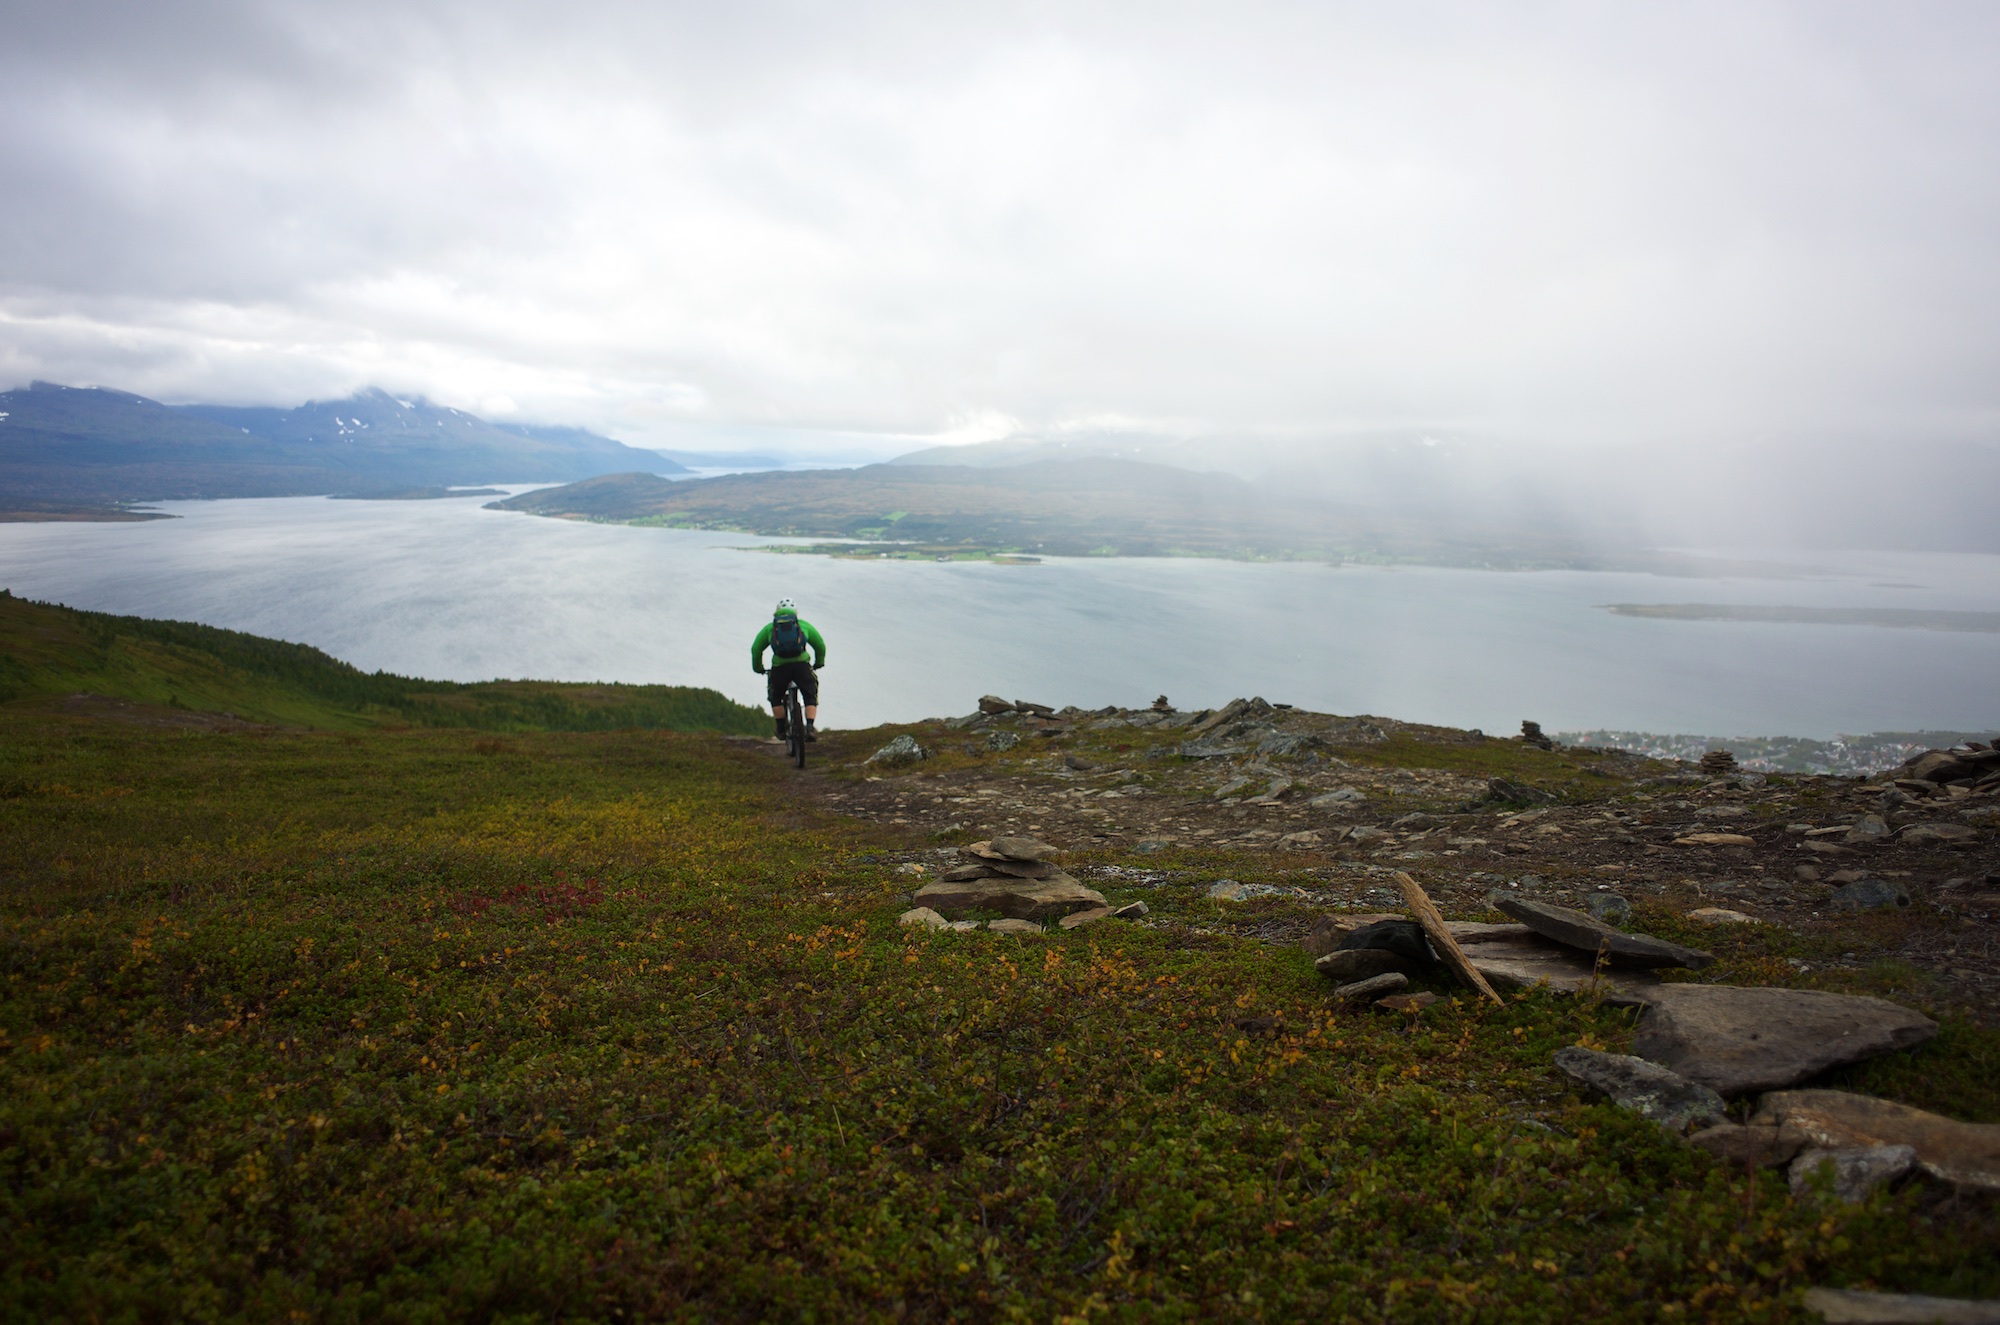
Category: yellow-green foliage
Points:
column 408, row 1025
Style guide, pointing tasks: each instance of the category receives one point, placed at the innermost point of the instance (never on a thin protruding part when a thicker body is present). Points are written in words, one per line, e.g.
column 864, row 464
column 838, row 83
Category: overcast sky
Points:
column 952, row 222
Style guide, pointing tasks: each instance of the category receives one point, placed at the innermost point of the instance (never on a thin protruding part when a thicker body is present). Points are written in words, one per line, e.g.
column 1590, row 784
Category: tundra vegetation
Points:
column 414, row 1022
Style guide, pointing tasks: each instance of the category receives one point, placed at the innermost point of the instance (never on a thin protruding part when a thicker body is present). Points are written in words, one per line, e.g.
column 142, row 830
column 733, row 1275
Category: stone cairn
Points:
column 1161, row 705
column 1531, row 734
column 1016, row 876
column 1719, row 763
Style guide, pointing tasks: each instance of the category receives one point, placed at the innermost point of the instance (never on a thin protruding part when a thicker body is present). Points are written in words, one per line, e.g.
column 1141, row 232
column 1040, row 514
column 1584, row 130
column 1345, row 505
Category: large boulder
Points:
column 899, row 752
column 1647, row 1089
column 1735, row 1040
column 995, row 704
column 1587, row 934
column 1963, row 1154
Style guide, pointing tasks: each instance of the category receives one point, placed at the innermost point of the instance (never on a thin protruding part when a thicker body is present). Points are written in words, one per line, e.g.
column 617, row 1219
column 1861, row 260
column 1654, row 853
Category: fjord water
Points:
column 449, row 590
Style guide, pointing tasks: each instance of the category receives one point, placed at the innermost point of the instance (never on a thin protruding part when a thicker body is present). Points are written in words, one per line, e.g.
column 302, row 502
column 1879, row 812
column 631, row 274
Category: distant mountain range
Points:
column 69, row 451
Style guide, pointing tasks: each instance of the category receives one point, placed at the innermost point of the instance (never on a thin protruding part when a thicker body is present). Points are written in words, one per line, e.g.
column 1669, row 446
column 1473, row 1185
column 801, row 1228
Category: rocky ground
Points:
column 1893, row 881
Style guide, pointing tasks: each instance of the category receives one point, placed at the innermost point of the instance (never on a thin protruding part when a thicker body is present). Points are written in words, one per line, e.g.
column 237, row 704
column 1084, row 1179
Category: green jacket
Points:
column 763, row 642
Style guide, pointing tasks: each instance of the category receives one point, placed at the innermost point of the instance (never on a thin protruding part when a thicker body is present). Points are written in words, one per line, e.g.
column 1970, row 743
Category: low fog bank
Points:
column 1794, row 495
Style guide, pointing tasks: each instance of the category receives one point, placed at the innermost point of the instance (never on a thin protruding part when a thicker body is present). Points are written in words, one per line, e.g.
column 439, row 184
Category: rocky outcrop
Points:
column 1969, row 764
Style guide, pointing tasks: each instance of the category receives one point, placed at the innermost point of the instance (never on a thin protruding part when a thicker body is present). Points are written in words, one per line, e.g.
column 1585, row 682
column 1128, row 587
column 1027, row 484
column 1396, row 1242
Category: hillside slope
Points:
column 175, row 671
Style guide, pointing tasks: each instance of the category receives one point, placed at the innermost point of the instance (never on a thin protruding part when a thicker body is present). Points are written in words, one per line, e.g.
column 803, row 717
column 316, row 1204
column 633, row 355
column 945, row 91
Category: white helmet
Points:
column 785, row 608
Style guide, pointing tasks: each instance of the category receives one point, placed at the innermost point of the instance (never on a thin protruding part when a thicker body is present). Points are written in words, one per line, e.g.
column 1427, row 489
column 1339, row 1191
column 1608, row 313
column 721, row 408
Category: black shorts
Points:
column 778, row 678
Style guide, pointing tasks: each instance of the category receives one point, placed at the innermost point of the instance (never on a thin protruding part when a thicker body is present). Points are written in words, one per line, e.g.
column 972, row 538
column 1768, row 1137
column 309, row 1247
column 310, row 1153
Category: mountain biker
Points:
column 788, row 638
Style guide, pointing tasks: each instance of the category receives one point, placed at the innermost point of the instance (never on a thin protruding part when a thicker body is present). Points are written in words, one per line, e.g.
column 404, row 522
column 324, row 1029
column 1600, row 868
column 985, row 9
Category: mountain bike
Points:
column 795, row 724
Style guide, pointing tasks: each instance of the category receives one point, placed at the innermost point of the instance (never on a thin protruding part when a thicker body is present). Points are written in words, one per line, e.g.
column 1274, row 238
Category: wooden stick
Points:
column 1441, row 939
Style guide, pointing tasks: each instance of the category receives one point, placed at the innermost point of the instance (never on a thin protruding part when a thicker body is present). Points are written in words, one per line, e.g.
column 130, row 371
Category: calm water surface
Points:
column 447, row 589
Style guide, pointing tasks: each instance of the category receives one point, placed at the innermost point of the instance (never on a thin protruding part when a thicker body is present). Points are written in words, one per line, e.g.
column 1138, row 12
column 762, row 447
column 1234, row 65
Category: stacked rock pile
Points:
column 1569, row 950
column 1719, row 763
column 1531, row 734
column 1974, row 765
column 1697, row 1045
column 1015, row 876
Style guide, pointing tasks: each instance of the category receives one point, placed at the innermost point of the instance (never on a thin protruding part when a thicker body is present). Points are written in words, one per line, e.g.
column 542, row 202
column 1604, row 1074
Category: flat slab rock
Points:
column 1735, row 1040
column 1647, row 1089
column 1962, row 1154
column 1588, row 934
column 1375, row 986
column 1852, row 1306
column 1018, row 899
column 1525, row 961
column 1026, row 850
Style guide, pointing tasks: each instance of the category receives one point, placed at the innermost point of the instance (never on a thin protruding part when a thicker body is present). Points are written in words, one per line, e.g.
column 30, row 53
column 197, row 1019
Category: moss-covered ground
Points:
column 433, row 1024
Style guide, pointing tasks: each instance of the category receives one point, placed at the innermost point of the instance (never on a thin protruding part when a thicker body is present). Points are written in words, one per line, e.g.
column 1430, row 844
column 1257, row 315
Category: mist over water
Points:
column 448, row 590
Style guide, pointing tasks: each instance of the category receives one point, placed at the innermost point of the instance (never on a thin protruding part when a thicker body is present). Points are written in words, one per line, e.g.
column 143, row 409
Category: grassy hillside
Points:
column 49, row 653
column 398, row 1023
column 418, row 1025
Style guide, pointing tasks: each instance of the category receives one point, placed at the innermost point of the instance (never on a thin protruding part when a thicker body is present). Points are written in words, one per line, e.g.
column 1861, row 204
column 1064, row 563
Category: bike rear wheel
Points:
column 795, row 720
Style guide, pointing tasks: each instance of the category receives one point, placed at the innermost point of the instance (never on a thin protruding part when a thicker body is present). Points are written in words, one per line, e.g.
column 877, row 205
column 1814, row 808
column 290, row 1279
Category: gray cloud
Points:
column 1708, row 221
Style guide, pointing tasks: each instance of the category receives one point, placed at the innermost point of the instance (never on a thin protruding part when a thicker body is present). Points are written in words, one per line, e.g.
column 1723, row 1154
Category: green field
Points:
column 413, row 1023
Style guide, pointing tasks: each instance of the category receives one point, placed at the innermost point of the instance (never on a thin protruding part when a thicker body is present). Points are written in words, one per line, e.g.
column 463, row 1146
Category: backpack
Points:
column 787, row 640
